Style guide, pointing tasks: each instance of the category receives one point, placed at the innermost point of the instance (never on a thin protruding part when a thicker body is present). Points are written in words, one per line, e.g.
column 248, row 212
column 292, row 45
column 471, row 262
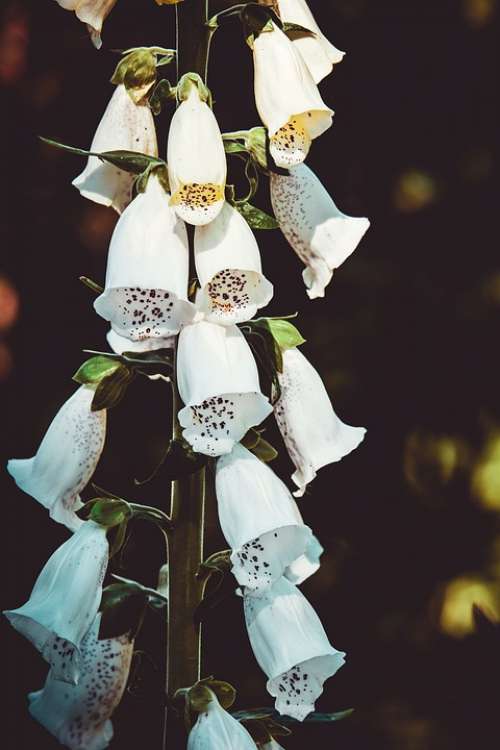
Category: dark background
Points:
column 406, row 342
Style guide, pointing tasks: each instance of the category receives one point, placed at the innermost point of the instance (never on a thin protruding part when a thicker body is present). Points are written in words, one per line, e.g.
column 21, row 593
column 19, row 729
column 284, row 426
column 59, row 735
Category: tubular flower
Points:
column 229, row 270
column 66, row 459
column 321, row 235
column 91, row 12
column 64, row 600
column 291, row 647
column 215, row 729
column 120, row 344
column 79, row 715
column 317, row 52
column 145, row 295
column 260, row 521
column 196, row 161
column 124, row 126
column 219, row 384
column 287, row 99
column 313, row 434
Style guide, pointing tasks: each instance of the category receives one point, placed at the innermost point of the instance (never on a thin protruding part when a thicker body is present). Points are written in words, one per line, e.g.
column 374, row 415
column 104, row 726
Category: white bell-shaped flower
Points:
column 321, row 235
column 120, row 344
column 196, row 161
column 65, row 600
column 229, row 269
column 291, row 647
column 218, row 382
column 287, row 99
column 124, row 126
column 216, row 729
column 91, row 12
column 79, row 715
column 145, row 294
column 313, row 434
column 66, row 459
column 260, row 521
column 317, row 52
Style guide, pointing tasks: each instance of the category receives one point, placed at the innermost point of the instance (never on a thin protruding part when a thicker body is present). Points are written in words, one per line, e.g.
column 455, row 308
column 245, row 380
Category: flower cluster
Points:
column 149, row 304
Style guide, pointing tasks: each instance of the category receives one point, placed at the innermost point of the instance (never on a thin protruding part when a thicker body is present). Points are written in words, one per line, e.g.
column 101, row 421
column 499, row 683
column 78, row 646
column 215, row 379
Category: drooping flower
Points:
column 216, row 729
column 120, row 344
column 66, row 459
column 229, row 269
column 317, row 52
column 91, row 12
column 321, row 235
column 261, row 522
column 291, row 647
column 124, row 126
column 64, row 600
column 79, row 715
column 196, row 160
column 219, row 384
column 145, row 295
column 313, row 434
column 287, row 99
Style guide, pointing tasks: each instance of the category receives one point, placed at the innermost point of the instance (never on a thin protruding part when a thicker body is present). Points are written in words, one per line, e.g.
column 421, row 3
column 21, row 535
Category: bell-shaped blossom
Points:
column 65, row 600
column 145, row 294
column 196, row 161
column 216, row 729
column 321, row 235
column 317, row 52
column 313, row 434
column 66, row 459
column 291, row 647
column 91, row 12
column 218, row 382
column 229, row 269
column 79, row 715
column 124, row 126
column 261, row 522
column 120, row 344
column 287, row 99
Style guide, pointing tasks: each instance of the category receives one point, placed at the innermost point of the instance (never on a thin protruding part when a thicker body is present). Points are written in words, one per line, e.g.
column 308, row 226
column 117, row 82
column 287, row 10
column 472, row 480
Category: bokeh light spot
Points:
column 457, row 617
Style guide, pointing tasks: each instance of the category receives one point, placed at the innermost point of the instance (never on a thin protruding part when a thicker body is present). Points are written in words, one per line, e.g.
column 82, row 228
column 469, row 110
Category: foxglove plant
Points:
column 228, row 372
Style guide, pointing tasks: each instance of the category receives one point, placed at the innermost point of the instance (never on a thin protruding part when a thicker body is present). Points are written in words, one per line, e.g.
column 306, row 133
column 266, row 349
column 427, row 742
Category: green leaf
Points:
column 92, row 285
column 109, row 512
column 296, row 31
column 111, row 389
column 233, row 147
column 256, row 218
column 122, row 612
column 250, row 439
column 313, row 718
column 265, row 451
column 286, row 335
column 130, row 161
column 95, row 369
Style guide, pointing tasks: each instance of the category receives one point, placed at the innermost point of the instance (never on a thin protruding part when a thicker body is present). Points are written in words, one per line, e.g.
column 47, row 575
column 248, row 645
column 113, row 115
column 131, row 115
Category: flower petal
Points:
column 93, row 13
column 219, row 384
column 216, row 729
column 312, row 432
column 124, row 126
column 66, row 459
column 291, row 647
column 321, row 235
column 229, row 270
column 65, row 600
column 120, row 344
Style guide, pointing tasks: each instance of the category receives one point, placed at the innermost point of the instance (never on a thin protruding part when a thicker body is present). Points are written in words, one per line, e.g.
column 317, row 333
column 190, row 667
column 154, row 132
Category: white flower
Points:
column 196, row 161
column 287, row 99
column 146, row 287
column 321, row 235
column 66, row 459
column 291, row 647
column 124, row 126
column 216, row 729
column 261, row 522
column 120, row 344
column 91, row 12
column 313, row 434
column 79, row 715
column 229, row 269
column 65, row 600
column 219, row 384
column 317, row 52
column 272, row 745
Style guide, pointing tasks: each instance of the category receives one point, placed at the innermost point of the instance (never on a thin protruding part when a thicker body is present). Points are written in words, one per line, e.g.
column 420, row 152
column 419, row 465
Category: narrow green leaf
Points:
column 233, row 147
column 250, row 439
column 95, row 369
column 63, row 147
column 130, row 161
column 256, row 218
column 93, row 285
